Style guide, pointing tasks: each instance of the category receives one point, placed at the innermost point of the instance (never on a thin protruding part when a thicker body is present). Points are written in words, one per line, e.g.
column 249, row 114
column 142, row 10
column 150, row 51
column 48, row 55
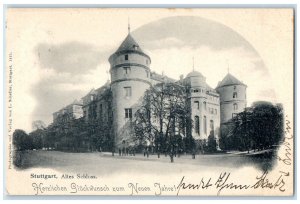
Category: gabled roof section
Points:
column 229, row 80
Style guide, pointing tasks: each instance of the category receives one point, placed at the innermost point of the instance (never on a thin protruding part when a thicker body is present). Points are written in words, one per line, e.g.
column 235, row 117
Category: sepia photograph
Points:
column 149, row 101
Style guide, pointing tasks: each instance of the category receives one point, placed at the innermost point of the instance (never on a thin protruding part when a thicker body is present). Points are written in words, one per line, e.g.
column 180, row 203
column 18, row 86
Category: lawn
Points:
column 105, row 163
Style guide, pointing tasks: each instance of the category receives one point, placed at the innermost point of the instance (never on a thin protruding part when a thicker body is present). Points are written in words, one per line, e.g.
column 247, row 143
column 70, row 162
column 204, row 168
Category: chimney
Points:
column 181, row 77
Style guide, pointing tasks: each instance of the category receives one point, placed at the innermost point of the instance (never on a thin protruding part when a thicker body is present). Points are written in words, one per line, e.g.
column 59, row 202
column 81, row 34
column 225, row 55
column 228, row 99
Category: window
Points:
column 204, row 124
column 211, row 125
column 127, row 70
column 92, row 97
column 204, row 105
column 233, row 115
column 126, row 57
column 128, row 113
column 147, row 62
column 235, row 106
column 234, row 94
column 212, row 129
column 216, row 112
column 196, row 90
column 127, row 91
column 197, row 125
column 197, row 104
column 135, row 47
column 147, row 72
column 234, row 88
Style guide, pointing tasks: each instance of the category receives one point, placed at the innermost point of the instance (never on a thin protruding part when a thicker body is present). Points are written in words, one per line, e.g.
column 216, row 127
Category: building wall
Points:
column 209, row 109
column 138, row 79
column 134, row 58
column 77, row 111
column 227, row 101
column 72, row 111
column 205, row 107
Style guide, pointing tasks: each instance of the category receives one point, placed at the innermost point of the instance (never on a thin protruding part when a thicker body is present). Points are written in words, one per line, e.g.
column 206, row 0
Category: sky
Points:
column 60, row 56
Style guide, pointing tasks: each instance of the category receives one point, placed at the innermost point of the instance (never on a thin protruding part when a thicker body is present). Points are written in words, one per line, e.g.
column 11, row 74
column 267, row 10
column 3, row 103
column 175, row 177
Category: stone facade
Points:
column 233, row 97
column 116, row 102
column 205, row 106
column 72, row 111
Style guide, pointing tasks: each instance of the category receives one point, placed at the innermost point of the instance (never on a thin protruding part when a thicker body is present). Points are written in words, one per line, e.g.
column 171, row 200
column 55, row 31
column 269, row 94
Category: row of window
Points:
column 127, row 71
column 211, row 110
column 126, row 57
column 92, row 111
column 197, row 104
column 198, row 90
column 128, row 115
column 197, row 125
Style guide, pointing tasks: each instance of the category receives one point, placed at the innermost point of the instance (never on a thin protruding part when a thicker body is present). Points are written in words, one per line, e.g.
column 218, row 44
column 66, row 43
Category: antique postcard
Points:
column 149, row 101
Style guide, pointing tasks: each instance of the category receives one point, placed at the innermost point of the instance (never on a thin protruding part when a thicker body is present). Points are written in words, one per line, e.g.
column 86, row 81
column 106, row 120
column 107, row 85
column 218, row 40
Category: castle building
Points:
column 116, row 102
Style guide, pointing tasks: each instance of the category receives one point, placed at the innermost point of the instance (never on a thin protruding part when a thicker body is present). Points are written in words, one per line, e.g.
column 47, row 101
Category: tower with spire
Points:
column 130, row 78
column 232, row 97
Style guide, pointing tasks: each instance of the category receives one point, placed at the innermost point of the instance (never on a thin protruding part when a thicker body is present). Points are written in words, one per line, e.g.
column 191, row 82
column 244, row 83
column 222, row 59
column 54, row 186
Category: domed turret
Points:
column 195, row 79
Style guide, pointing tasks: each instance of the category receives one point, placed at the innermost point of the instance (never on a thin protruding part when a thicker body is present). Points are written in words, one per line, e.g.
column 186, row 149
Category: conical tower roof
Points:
column 229, row 80
column 129, row 44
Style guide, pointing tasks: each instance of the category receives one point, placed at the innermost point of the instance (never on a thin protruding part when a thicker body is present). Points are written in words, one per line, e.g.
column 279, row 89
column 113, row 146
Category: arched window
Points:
column 235, row 106
column 197, row 124
column 197, row 104
column 212, row 128
column 234, row 94
column 204, row 124
column 211, row 125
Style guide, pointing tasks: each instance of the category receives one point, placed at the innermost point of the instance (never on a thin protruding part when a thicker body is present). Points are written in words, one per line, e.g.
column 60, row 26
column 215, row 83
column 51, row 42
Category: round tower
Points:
column 233, row 98
column 196, row 83
column 130, row 78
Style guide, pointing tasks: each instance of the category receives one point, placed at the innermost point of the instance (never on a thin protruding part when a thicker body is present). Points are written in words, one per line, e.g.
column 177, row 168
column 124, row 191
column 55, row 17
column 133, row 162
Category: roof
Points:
column 194, row 74
column 161, row 78
column 76, row 102
column 129, row 44
column 229, row 80
column 92, row 91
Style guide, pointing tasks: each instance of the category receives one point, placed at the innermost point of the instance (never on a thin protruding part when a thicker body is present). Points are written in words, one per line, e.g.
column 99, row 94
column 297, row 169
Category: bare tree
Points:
column 163, row 115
